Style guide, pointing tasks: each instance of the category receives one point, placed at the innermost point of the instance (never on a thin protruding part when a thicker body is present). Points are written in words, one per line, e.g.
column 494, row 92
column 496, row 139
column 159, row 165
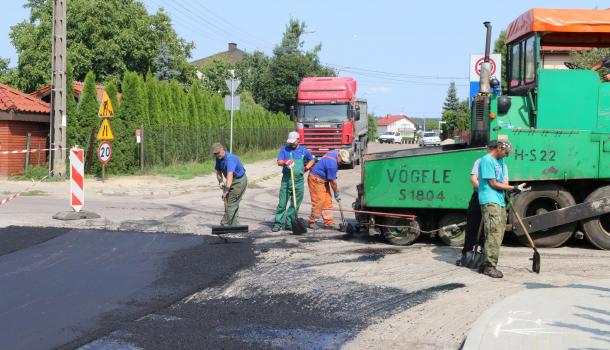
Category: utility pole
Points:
column 57, row 161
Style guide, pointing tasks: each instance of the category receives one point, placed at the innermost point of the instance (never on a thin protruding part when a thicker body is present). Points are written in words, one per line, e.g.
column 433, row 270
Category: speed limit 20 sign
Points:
column 104, row 152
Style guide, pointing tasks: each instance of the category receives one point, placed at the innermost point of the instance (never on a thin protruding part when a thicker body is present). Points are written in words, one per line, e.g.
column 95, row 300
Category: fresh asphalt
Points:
column 62, row 288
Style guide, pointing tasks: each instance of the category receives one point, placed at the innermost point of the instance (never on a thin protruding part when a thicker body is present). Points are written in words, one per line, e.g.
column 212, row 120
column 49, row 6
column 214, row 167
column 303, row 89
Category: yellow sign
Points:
column 106, row 109
column 105, row 132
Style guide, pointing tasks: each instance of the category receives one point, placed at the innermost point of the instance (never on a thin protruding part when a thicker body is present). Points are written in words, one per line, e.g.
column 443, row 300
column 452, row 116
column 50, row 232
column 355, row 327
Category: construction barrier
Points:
column 29, row 151
column 77, row 177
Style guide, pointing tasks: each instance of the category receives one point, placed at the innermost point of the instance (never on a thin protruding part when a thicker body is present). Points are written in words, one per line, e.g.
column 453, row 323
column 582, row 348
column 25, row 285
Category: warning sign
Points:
column 105, row 132
column 106, row 109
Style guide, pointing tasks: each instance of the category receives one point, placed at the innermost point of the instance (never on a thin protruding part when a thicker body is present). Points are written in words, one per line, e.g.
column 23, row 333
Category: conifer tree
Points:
column 87, row 110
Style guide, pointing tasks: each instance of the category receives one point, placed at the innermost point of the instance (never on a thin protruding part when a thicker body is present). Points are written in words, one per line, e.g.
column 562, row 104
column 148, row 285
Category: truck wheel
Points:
column 597, row 229
column 542, row 199
column 400, row 235
column 453, row 237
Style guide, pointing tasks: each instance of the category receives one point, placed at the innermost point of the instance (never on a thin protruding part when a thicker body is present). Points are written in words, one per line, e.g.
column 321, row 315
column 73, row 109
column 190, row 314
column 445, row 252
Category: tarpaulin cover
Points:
column 556, row 20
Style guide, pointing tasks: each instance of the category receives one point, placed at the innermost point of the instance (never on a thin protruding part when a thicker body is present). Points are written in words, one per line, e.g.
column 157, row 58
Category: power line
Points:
column 392, row 74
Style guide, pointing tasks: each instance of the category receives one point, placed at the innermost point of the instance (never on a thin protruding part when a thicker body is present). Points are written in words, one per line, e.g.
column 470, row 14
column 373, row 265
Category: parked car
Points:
column 429, row 138
column 390, row 137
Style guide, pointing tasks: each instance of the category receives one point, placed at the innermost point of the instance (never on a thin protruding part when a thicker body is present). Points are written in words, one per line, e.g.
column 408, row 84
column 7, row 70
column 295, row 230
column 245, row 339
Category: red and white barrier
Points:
column 10, row 198
column 77, row 176
column 29, row 150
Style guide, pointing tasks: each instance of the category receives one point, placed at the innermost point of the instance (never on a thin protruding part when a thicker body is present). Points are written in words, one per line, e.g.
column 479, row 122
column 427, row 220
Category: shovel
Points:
column 473, row 258
column 342, row 226
column 536, row 257
column 298, row 227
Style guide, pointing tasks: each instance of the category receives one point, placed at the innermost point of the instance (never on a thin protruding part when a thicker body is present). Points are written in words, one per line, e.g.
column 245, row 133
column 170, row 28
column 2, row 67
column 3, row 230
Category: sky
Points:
column 402, row 54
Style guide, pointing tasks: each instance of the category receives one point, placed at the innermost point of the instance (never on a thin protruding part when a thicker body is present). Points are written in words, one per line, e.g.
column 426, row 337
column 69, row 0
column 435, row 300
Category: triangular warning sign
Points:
column 105, row 132
column 106, row 109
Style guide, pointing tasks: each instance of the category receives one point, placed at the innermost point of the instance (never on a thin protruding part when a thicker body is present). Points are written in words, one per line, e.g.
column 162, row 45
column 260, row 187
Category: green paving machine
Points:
column 557, row 118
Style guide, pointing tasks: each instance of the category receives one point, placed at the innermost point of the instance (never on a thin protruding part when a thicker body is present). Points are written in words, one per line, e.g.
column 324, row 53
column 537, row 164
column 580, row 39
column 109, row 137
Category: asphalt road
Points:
column 65, row 287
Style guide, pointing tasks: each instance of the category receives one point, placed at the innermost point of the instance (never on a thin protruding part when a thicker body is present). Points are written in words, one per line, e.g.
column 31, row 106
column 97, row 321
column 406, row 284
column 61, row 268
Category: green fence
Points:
column 169, row 146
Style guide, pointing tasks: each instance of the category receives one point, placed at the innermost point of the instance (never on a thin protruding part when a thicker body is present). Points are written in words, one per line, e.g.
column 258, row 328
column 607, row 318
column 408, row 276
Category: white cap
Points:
column 293, row 136
column 344, row 156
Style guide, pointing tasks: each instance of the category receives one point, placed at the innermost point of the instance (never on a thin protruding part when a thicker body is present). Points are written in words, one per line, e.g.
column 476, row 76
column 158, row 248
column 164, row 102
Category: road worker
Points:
column 232, row 179
column 297, row 157
column 473, row 214
column 322, row 178
column 492, row 187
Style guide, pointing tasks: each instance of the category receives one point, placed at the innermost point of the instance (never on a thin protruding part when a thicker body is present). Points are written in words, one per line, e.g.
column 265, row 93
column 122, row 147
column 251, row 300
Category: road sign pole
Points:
column 232, row 92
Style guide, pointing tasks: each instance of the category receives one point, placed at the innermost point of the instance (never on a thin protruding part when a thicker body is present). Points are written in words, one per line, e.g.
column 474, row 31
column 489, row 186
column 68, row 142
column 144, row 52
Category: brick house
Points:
column 23, row 119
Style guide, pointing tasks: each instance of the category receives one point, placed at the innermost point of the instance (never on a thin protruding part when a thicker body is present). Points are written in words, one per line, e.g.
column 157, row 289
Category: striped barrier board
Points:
column 77, row 176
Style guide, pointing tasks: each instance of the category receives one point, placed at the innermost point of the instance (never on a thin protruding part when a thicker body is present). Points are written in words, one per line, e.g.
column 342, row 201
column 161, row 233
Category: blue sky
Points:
column 403, row 54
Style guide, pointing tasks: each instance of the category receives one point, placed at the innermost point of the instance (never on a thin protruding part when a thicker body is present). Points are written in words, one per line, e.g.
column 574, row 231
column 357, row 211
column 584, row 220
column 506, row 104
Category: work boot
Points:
column 492, row 272
column 275, row 229
column 313, row 226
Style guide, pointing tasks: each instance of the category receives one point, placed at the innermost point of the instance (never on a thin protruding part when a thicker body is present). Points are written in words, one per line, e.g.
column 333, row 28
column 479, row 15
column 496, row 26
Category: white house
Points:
column 398, row 122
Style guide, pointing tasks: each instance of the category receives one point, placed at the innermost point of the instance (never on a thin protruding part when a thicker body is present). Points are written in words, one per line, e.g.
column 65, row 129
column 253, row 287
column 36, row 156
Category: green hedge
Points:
column 179, row 124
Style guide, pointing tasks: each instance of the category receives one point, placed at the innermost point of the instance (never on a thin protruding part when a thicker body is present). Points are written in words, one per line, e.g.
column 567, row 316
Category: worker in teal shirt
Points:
column 228, row 167
column 492, row 185
column 292, row 155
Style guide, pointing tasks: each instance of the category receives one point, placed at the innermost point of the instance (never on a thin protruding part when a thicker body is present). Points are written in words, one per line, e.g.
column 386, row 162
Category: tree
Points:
column 451, row 101
column 585, row 59
column 73, row 131
column 87, row 110
column 288, row 66
column 500, row 47
column 372, row 133
column 456, row 120
column 108, row 37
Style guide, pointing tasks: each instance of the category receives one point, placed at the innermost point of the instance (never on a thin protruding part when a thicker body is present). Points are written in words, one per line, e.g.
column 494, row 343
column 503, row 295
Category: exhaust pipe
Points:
column 486, row 66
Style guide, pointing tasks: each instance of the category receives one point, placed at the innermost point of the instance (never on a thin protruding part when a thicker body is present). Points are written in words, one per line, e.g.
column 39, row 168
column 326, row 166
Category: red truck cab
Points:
column 328, row 116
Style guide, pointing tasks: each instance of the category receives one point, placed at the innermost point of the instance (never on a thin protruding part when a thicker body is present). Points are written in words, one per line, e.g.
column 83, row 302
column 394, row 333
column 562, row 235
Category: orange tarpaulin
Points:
column 556, row 20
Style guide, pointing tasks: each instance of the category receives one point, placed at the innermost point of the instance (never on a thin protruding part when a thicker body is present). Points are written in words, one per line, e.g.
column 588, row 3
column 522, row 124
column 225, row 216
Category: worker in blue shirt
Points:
column 492, row 186
column 322, row 178
column 292, row 155
column 229, row 168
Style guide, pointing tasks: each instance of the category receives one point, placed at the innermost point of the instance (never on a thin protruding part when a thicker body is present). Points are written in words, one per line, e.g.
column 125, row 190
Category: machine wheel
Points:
column 597, row 229
column 456, row 236
column 542, row 199
column 400, row 235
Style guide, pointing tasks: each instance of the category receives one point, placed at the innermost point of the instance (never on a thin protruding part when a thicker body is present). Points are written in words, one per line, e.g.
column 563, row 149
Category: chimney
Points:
column 232, row 46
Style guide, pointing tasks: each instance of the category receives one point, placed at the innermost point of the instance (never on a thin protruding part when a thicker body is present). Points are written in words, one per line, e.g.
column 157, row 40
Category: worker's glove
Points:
column 289, row 163
column 521, row 188
column 221, row 185
column 225, row 192
column 306, row 169
column 337, row 196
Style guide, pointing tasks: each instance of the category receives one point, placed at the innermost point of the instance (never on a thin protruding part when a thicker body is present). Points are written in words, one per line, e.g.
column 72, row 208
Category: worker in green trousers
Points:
column 230, row 169
column 297, row 157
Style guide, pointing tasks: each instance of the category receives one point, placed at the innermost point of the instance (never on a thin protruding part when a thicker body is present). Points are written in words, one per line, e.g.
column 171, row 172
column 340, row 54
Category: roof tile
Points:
column 13, row 99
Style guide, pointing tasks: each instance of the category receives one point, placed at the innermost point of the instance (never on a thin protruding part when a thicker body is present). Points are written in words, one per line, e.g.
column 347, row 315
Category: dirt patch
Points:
column 384, row 251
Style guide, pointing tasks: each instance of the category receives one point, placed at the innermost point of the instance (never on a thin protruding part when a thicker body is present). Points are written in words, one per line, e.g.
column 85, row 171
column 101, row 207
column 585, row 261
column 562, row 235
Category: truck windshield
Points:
column 323, row 113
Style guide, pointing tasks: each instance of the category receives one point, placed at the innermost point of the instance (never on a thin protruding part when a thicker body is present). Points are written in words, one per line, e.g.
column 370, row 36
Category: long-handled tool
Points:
column 297, row 225
column 342, row 226
column 219, row 229
column 376, row 213
column 536, row 257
